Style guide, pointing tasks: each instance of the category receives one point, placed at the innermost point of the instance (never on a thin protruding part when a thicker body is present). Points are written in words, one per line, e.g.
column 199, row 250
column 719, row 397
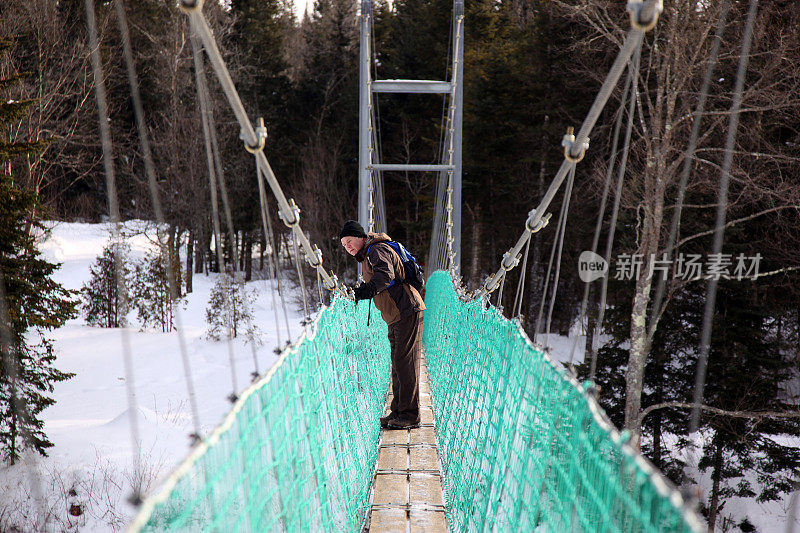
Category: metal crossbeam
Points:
column 411, row 86
column 411, row 168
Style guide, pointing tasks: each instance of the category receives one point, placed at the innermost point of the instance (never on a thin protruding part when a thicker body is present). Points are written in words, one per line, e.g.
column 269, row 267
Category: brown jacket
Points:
column 380, row 266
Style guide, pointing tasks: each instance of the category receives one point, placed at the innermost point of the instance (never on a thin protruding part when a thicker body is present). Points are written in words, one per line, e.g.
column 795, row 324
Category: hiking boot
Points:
column 386, row 419
column 402, row 423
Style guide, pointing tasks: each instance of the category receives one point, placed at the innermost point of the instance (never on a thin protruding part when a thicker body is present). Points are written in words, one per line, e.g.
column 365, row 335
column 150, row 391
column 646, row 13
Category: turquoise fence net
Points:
column 522, row 446
column 298, row 450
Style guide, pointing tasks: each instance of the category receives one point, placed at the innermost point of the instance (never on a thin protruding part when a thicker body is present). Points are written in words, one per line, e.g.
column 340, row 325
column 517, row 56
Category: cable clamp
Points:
column 644, row 15
column 261, row 137
column 568, row 142
column 493, row 287
column 507, row 264
column 539, row 225
column 316, row 260
column 295, row 212
column 332, row 283
column 190, row 6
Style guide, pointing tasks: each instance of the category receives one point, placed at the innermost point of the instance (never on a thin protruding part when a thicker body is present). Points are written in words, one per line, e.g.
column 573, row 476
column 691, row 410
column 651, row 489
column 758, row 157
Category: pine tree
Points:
column 152, row 297
column 106, row 302
column 34, row 302
column 229, row 307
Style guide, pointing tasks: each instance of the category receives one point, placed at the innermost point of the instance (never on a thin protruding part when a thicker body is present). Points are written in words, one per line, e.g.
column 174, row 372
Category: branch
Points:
column 734, row 222
column 715, row 410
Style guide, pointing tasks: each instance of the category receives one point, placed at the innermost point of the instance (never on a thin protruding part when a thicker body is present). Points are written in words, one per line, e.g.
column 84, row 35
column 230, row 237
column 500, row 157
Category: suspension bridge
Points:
column 509, row 440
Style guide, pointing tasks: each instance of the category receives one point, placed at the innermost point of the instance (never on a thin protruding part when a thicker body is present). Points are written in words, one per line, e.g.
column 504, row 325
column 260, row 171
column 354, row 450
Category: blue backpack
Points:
column 413, row 271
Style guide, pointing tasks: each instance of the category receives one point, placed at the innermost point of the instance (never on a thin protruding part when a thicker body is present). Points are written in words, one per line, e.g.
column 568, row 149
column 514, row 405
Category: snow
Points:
column 90, row 422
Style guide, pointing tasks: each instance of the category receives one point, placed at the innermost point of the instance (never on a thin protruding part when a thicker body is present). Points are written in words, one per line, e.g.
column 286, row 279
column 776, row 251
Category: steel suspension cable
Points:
column 114, row 218
column 722, row 204
column 558, row 240
column 251, row 139
column 262, row 201
column 612, row 225
column 686, row 170
column 149, row 167
column 602, row 210
column 645, row 14
column 273, row 246
column 212, row 128
column 213, row 183
column 567, row 197
column 11, row 369
column 301, row 277
column 516, row 310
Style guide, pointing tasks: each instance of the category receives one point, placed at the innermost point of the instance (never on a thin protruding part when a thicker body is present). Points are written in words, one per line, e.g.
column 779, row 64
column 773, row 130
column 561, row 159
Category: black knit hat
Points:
column 352, row 229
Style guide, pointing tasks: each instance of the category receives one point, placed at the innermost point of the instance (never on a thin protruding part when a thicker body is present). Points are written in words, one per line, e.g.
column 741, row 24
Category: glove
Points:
column 363, row 292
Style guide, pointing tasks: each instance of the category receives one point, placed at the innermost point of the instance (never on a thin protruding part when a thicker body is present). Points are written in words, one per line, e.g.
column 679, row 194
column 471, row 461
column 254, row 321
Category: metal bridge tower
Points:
column 368, row 165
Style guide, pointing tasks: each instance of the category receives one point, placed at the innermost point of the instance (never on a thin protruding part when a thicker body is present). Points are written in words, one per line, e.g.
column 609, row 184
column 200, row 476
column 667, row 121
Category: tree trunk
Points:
column 262, row 249
column 189, row 260
column 713, row 506
column 248, row 257
column 474, row 273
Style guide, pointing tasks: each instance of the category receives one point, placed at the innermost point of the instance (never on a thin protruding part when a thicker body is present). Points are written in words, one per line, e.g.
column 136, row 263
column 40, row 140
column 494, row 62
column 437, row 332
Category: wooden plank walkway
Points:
column 407, row 490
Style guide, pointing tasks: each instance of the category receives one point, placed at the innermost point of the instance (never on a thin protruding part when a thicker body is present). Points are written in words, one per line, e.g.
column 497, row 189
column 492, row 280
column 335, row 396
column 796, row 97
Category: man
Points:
column 401, row 307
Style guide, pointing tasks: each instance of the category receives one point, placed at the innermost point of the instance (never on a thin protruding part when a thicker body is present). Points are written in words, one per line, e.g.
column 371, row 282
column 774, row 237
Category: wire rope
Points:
column 687, row 167
column 601, row 211
column 114, row 218
column 567, row 197
column 12, row 371
column 722, row 204
column 517, row 308
column 150, row 171
column 214, row 182
column 537, row 330
column 300, row 276
column 612, row 227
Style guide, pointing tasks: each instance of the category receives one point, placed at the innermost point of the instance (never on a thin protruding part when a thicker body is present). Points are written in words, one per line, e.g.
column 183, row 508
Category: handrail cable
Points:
column 214, row 182
column 114, row 218
column 565, row 216
column 644, row 16
column 612, row 225
column 602, row 209
column 687, row 168
column 722, row 205
column 289, row 213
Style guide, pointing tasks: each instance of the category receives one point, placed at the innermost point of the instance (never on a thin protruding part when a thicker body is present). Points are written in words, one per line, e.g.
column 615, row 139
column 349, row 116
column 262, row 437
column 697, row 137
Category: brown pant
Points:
column 405, row 338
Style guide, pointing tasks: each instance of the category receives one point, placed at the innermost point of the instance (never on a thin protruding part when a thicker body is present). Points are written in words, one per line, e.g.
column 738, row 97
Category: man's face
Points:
column 353, row 244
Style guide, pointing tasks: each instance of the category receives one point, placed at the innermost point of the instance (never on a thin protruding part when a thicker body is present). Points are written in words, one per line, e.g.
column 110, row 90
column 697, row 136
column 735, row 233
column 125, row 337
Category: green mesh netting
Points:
column 298, row 451
column 522, row 446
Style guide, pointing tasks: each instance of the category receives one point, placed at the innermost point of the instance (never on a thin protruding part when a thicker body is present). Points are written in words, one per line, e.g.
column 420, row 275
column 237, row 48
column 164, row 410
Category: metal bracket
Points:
column 295, row 211
column 568, row 142
column 333, row 283
column 190, row 6
column 261, row 136
column 316, row 260
column 644, row 15
column 507, row 265
column 544, row 221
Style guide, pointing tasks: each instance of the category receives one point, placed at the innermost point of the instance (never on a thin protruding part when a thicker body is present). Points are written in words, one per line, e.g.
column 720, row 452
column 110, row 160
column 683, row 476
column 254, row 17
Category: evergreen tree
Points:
column 34, row 302
column 106, row 302
column 152, row 298
column 229, row 308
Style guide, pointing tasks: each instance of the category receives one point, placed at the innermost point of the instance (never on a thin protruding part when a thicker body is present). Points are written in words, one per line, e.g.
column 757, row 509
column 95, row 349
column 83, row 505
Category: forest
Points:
column 531, row 70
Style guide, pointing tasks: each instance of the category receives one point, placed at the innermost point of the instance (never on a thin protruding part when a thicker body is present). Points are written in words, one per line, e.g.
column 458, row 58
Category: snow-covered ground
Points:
column 91, row 464
column 89, row 424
